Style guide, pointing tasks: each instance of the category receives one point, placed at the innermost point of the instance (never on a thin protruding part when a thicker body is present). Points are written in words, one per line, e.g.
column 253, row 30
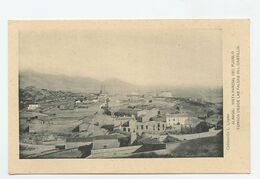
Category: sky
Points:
column 142, row 56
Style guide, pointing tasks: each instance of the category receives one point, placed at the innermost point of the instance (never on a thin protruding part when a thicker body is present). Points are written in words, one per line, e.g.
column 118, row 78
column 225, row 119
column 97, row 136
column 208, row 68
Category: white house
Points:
column 33, row 106
column 176, row 119
column 150, row 127
column 78, row 102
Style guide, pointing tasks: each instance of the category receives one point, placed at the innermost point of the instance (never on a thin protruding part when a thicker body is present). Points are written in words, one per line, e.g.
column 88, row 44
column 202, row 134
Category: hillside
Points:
column 70, row 83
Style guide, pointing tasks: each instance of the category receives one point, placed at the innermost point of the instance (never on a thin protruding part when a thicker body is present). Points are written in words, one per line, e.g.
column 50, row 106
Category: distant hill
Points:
column 116, row 85
column 87, row 84
column 70, row 83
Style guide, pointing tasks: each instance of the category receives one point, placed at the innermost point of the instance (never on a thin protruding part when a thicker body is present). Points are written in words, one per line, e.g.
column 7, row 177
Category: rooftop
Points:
column 104, row 137
column 89, row 139
column 125, row 117
column 178, row 115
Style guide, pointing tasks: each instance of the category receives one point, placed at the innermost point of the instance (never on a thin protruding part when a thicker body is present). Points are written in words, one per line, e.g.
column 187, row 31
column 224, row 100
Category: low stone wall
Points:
column 197, row 135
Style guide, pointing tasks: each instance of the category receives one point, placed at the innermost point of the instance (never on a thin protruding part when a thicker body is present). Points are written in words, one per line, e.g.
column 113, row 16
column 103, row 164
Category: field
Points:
column 203, row 147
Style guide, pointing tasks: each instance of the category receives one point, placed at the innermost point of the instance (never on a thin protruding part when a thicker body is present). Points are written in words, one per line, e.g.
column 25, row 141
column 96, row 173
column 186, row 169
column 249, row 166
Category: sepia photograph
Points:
column 129, row 96
column 120, row 92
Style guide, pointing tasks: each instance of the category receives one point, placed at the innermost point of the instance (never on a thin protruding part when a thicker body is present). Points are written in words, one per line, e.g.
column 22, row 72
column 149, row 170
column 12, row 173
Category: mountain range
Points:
column 71, row 83
column 112, row 85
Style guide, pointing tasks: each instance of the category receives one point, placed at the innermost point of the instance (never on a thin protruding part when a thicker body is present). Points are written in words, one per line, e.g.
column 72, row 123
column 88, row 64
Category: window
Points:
column 142, row 126
column 137, row 127
column 158, row 125
column 153, row 127
column 128, row 129
column 124, row 129
column 146, row 127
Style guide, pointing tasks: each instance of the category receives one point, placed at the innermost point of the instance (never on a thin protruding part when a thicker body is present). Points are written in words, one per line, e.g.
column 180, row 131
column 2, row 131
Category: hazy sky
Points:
column 140, row 56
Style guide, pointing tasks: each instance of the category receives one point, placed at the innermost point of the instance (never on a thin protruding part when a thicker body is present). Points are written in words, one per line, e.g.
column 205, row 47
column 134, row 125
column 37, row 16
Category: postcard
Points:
column 129, row 96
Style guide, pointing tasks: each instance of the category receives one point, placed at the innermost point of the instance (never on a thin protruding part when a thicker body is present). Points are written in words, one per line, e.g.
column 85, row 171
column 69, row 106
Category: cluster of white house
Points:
column 146, row 121
column 150, row 121
column 32, row 106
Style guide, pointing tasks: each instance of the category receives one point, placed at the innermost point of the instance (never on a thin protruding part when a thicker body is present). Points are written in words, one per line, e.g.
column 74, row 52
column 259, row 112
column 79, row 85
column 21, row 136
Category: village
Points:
column 56, row 124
